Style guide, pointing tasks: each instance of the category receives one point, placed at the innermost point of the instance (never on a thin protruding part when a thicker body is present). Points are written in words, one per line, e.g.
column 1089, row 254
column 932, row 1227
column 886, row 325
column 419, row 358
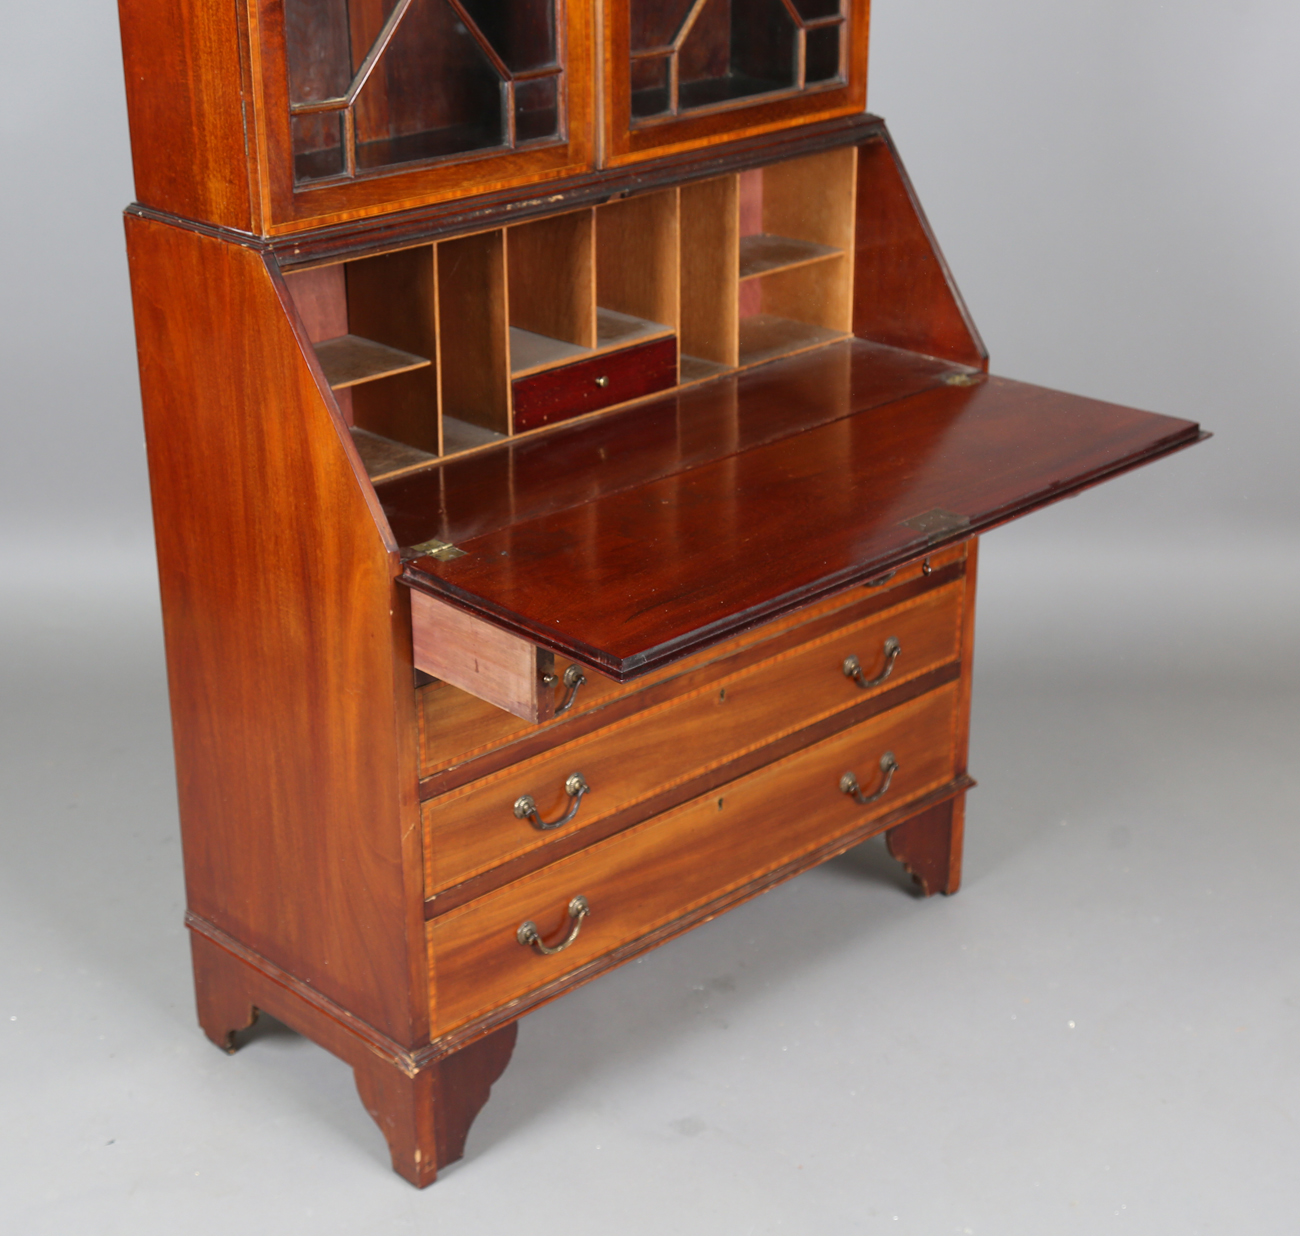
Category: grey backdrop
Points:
column 1100, row 1029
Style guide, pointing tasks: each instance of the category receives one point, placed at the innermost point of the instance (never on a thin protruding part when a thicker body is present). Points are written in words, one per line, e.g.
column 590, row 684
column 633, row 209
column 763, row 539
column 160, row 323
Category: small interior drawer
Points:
column 479, row 826
column 641, row 879
column 612, row 377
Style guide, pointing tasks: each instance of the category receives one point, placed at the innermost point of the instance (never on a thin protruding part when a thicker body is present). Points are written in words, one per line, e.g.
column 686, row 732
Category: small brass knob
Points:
column 602, row 382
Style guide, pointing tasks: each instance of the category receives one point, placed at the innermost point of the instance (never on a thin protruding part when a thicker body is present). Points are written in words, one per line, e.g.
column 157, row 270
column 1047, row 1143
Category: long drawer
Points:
column 457, row 728
column 639, row 880
column 477, row 827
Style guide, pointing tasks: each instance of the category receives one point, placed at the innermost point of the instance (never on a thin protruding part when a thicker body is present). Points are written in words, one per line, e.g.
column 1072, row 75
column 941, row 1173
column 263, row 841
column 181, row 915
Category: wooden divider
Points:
column 710, row 260
column 475, row 354
column 637, row 258
column 552, row 277
column 423, row 346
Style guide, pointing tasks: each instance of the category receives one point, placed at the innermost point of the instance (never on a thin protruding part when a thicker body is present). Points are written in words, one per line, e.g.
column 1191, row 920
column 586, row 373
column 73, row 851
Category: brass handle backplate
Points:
column 529, row 935
column 849, row 783
column 853, row 667
column 574, row 786
column 573, row 679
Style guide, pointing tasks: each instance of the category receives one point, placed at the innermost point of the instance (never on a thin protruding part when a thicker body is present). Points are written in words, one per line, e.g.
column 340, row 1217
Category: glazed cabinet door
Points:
column 372, row 105
column 680, row 74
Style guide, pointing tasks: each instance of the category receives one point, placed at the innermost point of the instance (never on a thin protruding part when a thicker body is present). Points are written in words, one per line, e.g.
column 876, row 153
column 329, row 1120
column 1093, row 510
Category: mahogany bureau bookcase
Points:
column 567, row 448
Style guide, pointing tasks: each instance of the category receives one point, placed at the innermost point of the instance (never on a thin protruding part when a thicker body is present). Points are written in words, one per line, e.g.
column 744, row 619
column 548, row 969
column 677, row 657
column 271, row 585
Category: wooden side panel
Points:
column 183, row 98
column 289, row 669
column 904, row 293
column 321, row 296
column 473, row 331
column 484, row 660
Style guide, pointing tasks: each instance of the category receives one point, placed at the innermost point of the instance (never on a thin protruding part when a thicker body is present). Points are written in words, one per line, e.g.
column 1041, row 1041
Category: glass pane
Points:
column 810, row 10
column 822, row 54
column 655, row 23
column 649, row 87
column 735, row 50
column 319, row 47
column 433, row 93
column 521, row 32
column 537, row 111
column 317, row 146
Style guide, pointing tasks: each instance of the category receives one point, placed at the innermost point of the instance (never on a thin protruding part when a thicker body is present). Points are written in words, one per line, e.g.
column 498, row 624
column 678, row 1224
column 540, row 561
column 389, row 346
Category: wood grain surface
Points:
column 493, row 665
column 904, row 293
column 614, row 377
column 553, row 277
column 469, row 830
column 298, row 814
column 658, row 871
column 812, row 513
column 571, row 465
column 929, row 845
column 463, row 737
column 185, row 106
column 637, row 268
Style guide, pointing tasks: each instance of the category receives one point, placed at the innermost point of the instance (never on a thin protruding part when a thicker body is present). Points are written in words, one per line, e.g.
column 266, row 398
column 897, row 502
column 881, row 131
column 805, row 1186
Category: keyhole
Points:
column 722, row 695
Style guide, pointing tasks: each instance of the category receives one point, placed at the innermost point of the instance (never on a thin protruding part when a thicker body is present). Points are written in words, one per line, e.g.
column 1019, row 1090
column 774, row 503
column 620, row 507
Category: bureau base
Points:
column 425, row 1101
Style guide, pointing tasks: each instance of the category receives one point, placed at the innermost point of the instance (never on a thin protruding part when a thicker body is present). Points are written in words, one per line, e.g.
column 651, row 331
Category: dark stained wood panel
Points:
column 613, row 377
column 644, row 575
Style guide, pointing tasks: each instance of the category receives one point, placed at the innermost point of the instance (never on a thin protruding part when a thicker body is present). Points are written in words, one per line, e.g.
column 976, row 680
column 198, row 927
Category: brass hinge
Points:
column 936, row 524
column 444, row 551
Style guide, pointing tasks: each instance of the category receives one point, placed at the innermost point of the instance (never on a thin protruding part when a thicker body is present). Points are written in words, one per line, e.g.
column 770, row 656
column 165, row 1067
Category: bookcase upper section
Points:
column 275, row 116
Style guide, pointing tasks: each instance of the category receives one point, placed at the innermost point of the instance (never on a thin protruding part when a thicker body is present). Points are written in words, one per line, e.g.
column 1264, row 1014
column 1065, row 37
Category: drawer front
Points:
column 473, row 829
column 613, row 377
column 456, row 726
column 646, row 877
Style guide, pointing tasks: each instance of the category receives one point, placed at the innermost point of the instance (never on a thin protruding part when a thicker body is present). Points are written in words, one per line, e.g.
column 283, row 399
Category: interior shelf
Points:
column 350, row 360
column 696, row 369
column 458, row 435
column 617, row 330
column 764, row 337
column 763, row 253
column 530, row 352
column 384, row 457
